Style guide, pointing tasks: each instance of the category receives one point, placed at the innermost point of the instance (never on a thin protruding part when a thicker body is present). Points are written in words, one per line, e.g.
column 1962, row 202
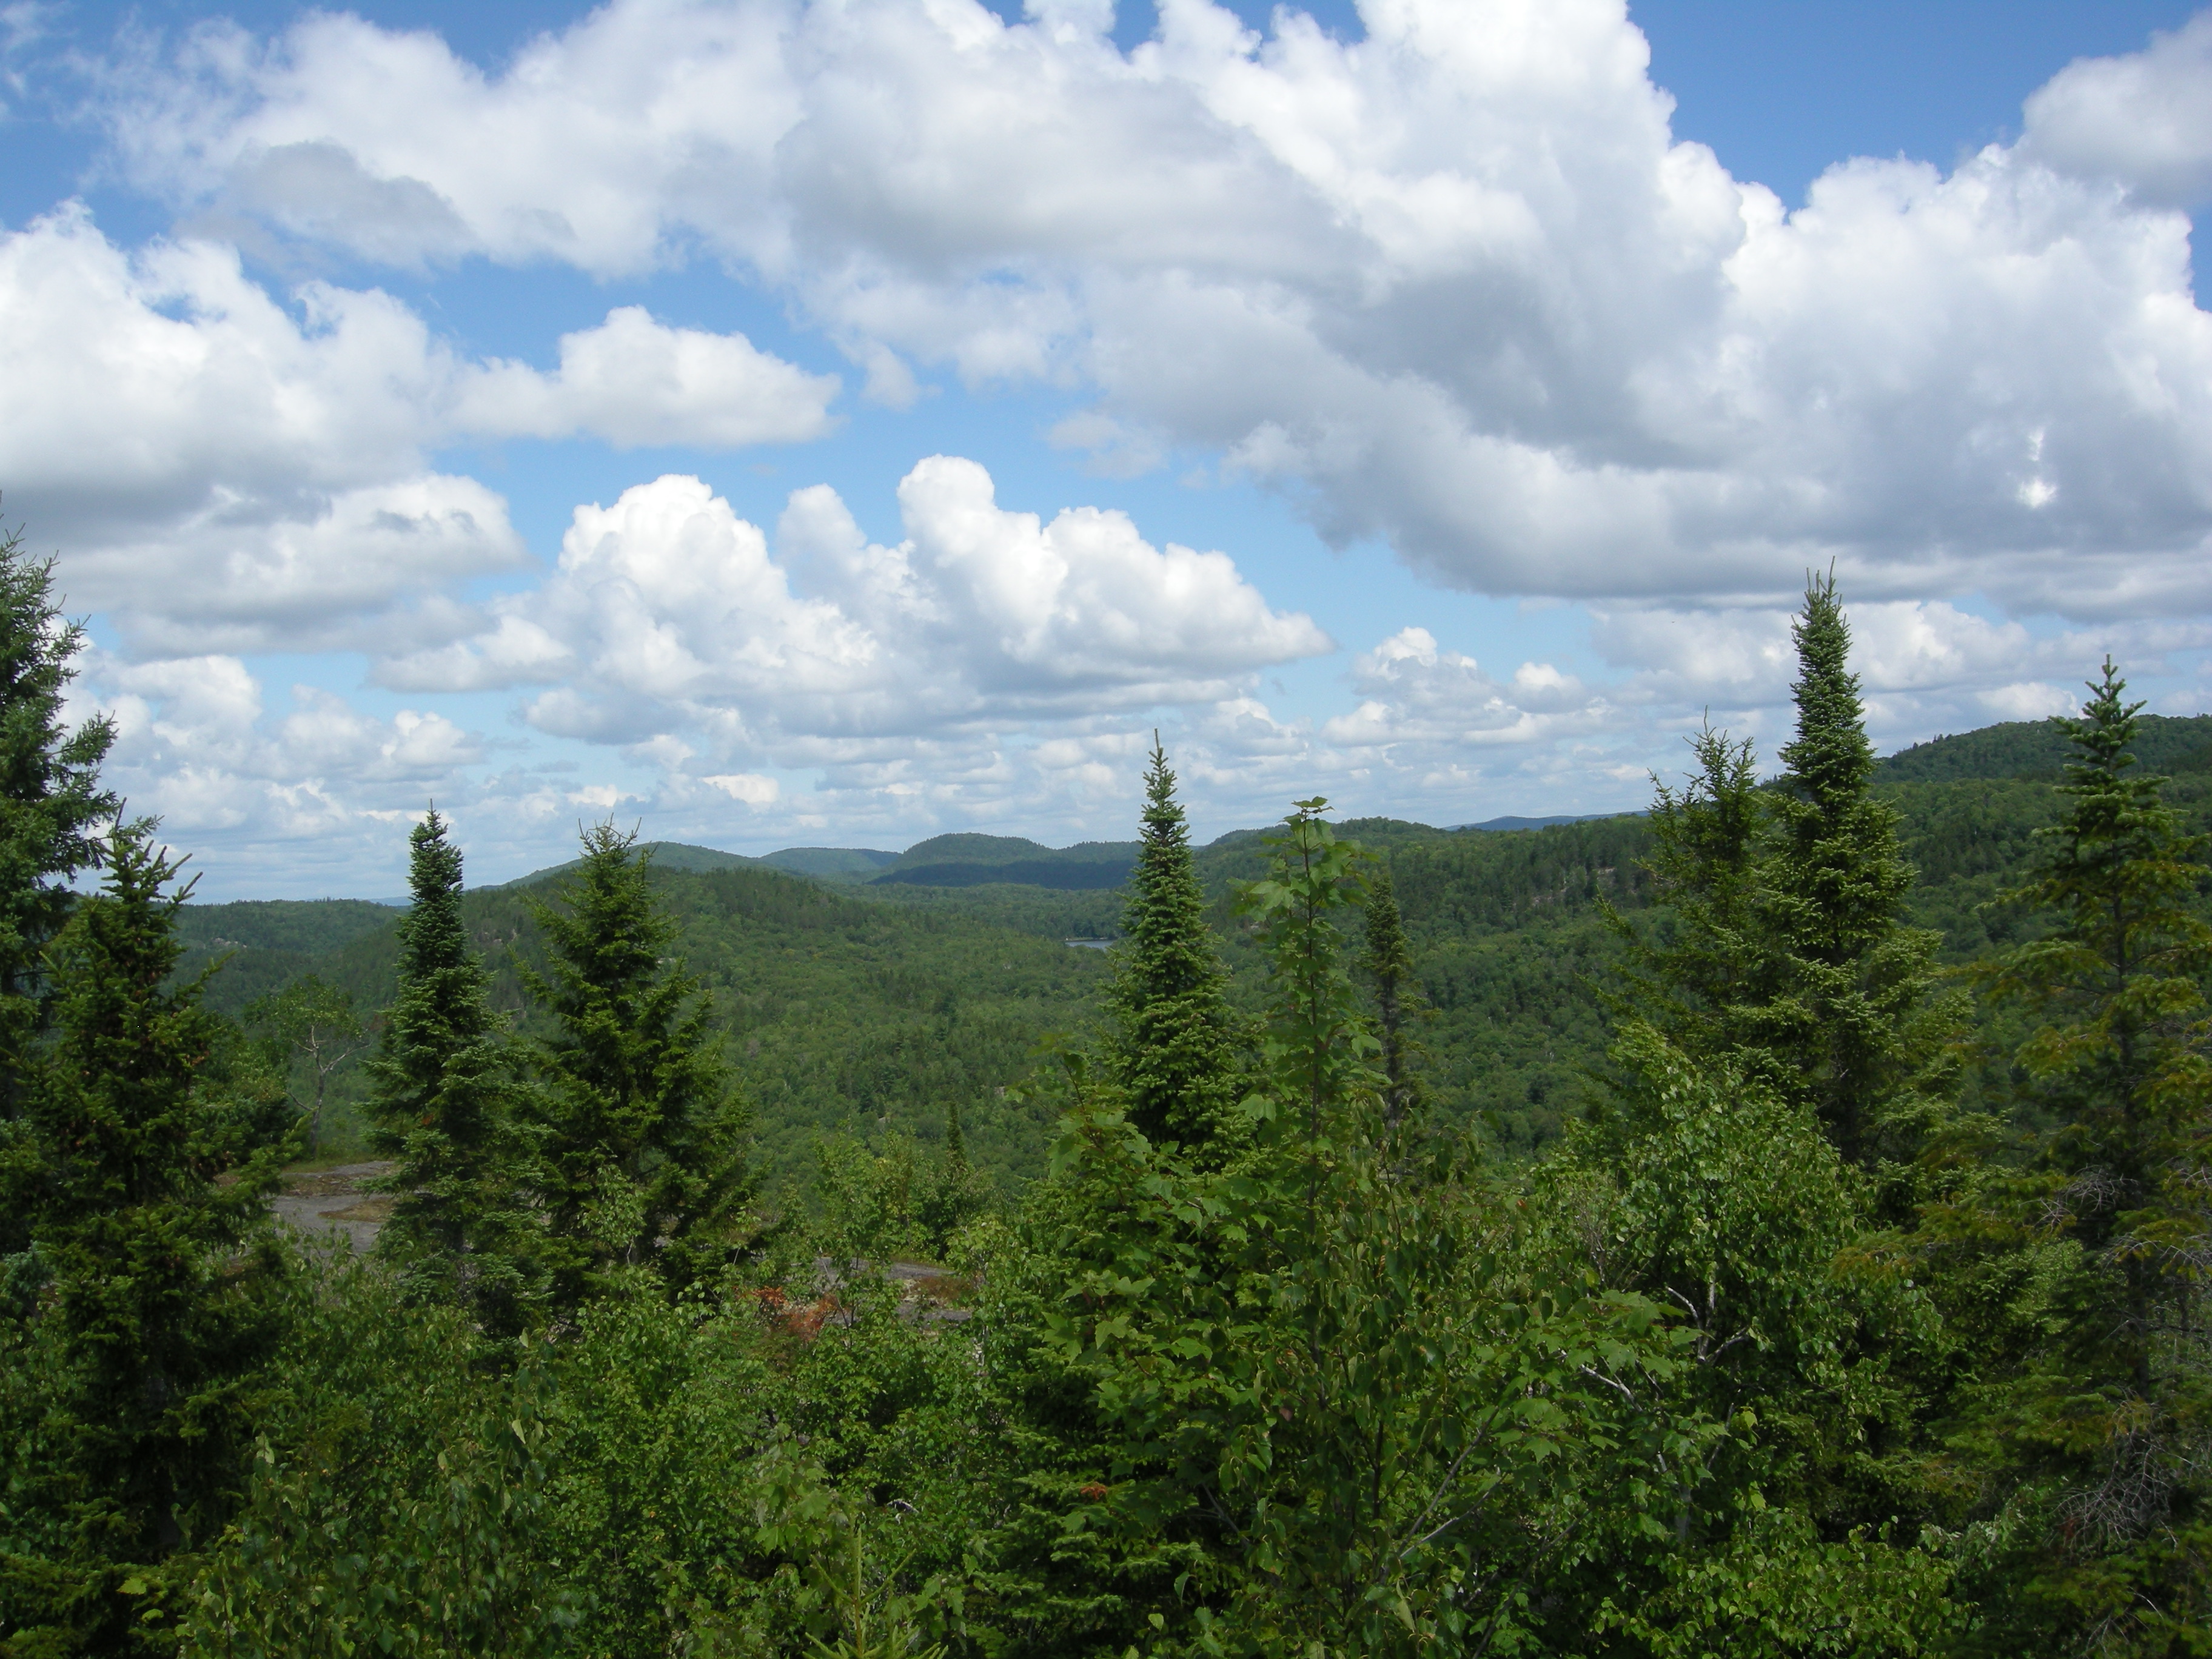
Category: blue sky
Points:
column 1435, row 407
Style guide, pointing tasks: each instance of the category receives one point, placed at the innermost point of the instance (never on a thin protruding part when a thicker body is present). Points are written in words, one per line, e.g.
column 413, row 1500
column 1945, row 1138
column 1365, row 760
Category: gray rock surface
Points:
column 336, row 1203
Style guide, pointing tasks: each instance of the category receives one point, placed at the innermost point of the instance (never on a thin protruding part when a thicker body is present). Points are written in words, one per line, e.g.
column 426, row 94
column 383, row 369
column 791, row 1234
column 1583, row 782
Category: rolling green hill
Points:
column 969, row 860
column 840, row 1014
column 2036, row 749
column 667, row 855
column 866, row 993
column 831, row 863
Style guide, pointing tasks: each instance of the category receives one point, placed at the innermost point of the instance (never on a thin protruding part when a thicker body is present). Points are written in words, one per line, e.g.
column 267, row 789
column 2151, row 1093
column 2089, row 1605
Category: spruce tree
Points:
column 52, row 808
column 1698, row 976
column 162, row 1302
column 642, row 1154
column 2083, row 1274
column 2122, row 1063
column 1176, row 1045
column 1387, row 963
column 956, row 1144
column 442, row 1106
column 1852, row 1025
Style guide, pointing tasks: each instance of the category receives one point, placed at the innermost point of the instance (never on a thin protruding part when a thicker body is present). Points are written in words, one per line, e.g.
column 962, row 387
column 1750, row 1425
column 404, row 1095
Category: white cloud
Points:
column 2144, row 120
column 668, row 612
column 193, row 745
column 1924, row 667
column 1414, row 693
column 751, row 788
column 1455, row 284
column 243, row 575
column 221, row 471
column 633, row 382
column 2030, row 699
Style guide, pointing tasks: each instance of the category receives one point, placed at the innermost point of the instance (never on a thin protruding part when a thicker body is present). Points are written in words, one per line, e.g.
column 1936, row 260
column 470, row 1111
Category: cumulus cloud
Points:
column 1416, row 694
column 633, row 382
column 2144, row 120
column 220, row 469
column 193, row 745
column 668, row 611
column 1454, row 284
column 1924, row 665
column 242, row 575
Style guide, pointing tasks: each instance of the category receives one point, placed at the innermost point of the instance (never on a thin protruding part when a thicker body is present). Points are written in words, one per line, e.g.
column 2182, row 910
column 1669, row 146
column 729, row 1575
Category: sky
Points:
column 769, row 423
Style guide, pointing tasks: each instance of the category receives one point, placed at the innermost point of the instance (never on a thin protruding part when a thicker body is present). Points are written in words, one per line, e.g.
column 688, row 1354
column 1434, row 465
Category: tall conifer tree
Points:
column 149, row 1220
column 1699, row 981
column 1386, row 961
column 1853, row 1026
column 2084, row 1273
column 51, row 807
column 643, row 1158
column 441, row 1105
column 2123, row 1063
column 1176, row 1045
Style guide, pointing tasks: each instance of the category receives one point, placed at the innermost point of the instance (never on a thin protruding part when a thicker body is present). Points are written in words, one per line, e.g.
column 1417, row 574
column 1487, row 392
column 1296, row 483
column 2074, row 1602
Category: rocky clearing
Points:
column 336, row 1200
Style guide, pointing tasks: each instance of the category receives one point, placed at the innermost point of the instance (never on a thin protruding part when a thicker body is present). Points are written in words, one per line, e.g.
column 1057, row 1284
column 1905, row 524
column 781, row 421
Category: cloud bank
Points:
column 1455, row 285
column 227, row 471
column 1453, row 288
column 668, row 614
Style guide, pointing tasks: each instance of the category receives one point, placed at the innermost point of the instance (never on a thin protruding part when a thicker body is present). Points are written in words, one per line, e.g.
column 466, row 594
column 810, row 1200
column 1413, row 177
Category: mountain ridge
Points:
column 959, row 859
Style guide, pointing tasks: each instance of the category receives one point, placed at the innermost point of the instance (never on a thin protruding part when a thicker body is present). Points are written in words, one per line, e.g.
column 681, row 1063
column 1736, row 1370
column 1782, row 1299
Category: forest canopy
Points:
column 1773, row 1224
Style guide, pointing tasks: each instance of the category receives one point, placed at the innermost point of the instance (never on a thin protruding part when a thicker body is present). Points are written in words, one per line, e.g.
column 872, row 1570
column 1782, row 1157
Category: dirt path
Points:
column 336, row 1201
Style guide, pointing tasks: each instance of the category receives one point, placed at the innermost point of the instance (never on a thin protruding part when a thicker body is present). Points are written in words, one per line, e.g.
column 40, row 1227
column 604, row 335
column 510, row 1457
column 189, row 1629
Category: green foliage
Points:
column 51, row 807
column 1317, row 1042
column 846, row 1014
column 1777, row 1587
column 635, row 1488
column 1330, row 1405
column 442, row 1105
column 869, row 1011
column 2082, row 1274
column 891, row 1204
column 1707, row 1192
column 639, row 1162
column 395, row 1497
column 1386, row 963
column 839, row 1013
column 2120, row 978
column 1174, row 1044
column 1851, row 1021
column 310, row 1028
column 1777, row 1352
column 127, row 1376
column 292, row 927
column 1698, row 975
column 1507, row 934
column 970, row 860
column 2037, row 750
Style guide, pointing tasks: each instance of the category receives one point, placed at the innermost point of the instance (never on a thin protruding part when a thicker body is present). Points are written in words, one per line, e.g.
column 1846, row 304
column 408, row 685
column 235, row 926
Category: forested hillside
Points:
column 871, row 1008
column 840, row 1015
column 1632, row 1238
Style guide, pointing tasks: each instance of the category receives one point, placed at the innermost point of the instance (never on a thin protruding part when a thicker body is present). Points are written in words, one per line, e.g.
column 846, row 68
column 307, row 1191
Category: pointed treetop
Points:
column 432, row 936
column 2118, row 830
column 1175, row 1045
column 2106, row 730
column 1163, row 814
column 1830, row 759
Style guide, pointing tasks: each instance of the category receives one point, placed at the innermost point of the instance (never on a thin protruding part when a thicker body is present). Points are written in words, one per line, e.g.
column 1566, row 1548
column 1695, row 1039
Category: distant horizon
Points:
column 1505, row 821
column 1439, row 406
